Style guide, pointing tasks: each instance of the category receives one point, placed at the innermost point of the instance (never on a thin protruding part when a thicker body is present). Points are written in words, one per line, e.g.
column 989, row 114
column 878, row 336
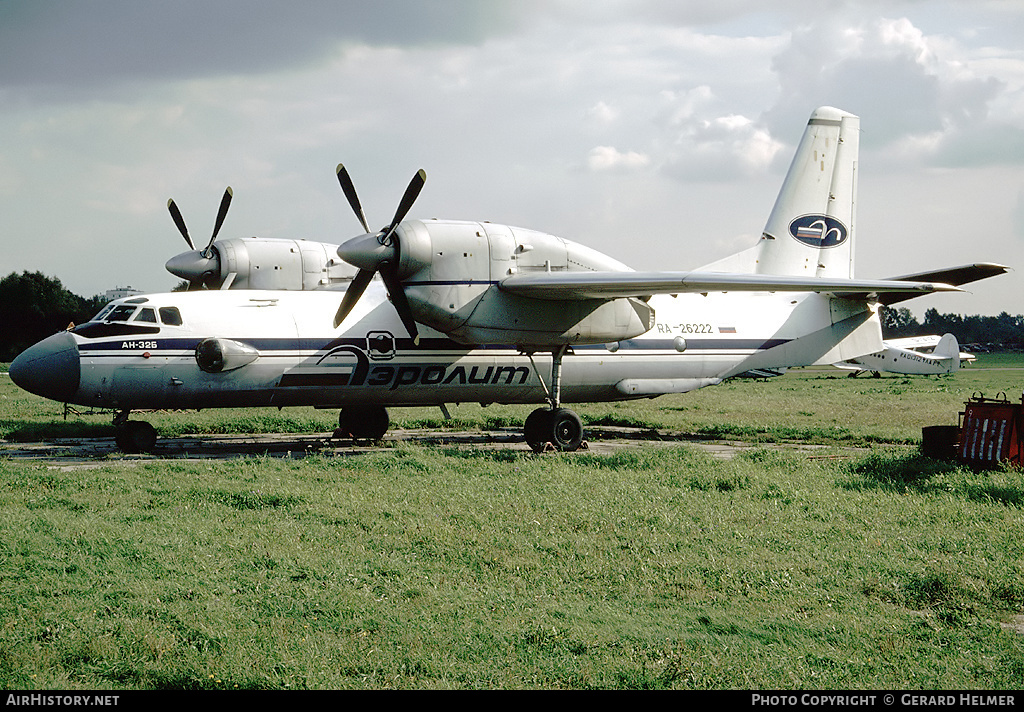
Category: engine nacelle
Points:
column 263, row 263
column 451, row 273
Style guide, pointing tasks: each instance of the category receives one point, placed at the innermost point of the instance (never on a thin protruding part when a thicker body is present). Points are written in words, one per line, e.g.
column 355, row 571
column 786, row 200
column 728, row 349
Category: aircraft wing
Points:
column 613, row 285
column 963, row 274
column 914, row 342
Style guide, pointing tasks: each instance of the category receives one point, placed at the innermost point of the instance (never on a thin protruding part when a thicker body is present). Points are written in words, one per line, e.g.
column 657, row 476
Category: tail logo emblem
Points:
column 818, row 231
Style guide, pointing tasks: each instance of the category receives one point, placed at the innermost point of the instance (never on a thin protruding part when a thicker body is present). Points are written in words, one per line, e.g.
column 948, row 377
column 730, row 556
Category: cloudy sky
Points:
column 658, row 132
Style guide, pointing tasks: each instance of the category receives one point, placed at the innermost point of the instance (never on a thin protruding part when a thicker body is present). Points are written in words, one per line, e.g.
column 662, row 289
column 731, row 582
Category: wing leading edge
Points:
column 613, row 285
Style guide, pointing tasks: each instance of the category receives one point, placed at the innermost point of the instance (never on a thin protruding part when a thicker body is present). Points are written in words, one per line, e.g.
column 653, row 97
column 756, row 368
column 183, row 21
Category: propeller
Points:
column 377, row 252
column 198, row 265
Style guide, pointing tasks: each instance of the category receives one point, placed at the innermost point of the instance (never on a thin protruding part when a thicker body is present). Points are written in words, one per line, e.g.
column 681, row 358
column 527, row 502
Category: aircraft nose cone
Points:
column 365, row 252
column 191, row 265
column 50, row 369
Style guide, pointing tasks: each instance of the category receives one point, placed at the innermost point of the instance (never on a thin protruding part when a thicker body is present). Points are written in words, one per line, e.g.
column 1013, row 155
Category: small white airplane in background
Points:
column 914, row 355
column 477, row 312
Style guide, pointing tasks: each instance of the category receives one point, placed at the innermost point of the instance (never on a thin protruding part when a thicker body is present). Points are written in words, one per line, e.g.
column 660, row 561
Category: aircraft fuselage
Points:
column 278, row 349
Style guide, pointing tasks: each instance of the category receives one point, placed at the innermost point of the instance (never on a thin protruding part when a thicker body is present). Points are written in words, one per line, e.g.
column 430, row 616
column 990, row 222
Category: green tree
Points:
column 898, row 322
column 33, row 306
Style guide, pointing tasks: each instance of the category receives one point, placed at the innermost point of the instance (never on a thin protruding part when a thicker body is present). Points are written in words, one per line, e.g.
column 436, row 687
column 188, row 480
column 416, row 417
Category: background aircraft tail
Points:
column 948, row 348
column 810, row 231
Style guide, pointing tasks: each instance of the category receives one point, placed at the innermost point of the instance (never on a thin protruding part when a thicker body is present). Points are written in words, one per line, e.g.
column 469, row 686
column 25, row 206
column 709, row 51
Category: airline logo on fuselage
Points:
column 818, row 231
column 351, row 365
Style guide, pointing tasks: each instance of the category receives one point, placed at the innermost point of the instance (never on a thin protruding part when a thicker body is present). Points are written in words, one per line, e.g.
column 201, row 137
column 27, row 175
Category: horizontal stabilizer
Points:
column 964, row 274
column 614, row 285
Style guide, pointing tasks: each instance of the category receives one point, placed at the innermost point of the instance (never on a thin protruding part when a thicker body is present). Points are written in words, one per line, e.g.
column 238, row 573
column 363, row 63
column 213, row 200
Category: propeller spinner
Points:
column 377, row 252
column 197, row 266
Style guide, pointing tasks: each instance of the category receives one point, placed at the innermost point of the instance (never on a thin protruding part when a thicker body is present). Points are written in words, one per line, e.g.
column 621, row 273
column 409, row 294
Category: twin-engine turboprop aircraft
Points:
column 477, row 312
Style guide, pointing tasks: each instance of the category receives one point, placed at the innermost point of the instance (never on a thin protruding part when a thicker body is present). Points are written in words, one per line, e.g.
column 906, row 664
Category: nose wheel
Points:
column 133, row 436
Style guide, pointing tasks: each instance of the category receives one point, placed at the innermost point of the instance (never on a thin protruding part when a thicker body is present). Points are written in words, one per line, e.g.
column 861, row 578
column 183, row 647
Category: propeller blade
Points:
column 222, row 212
column 180, row 222
column 377, row 253
column 411, row 193
column 352, row 294
column 398, row 298
column 349, row 189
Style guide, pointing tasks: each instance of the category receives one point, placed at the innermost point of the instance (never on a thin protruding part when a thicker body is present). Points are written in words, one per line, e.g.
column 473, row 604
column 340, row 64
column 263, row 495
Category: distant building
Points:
column 120, row 293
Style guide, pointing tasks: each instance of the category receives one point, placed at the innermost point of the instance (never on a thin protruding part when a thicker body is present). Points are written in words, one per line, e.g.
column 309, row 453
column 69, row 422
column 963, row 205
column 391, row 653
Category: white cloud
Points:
column 720, row 148
column 919, row 93
column 603, row 113
column 608, row 158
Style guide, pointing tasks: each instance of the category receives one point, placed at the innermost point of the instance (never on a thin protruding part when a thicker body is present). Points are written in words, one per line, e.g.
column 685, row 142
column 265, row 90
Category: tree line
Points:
column 33, row 306
column 980, row 333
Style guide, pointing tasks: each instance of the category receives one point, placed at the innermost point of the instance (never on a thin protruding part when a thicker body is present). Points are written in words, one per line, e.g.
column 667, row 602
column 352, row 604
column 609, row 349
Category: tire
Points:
column 566, row 430
column 537, row 429
column 136, row 436
column 364, row 423
column 562, row 428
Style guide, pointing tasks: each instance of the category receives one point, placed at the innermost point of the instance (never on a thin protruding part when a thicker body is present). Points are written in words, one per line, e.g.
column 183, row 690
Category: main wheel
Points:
column 364, row 422
column 566, row 430
column 537, row 429
column 136, row 436
column 561, row 427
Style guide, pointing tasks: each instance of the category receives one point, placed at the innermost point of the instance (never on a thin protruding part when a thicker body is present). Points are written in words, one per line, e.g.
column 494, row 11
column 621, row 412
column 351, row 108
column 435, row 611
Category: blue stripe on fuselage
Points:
column 270, row 345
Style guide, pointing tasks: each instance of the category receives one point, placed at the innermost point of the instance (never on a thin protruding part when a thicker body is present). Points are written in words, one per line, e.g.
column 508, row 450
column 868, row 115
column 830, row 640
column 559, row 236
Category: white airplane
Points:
column 914, row 355
column 479, row 312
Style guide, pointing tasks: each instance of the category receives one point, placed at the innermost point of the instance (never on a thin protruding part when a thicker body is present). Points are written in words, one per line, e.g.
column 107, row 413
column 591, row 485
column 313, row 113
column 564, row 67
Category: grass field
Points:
column 414, row 567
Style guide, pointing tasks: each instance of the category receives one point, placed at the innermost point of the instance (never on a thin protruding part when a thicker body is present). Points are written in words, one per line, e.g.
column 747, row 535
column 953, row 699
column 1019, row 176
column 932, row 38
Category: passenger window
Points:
column 170, row 316
column 146, row 314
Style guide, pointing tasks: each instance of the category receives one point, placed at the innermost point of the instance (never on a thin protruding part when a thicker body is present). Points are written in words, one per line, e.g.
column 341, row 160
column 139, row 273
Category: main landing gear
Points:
column 133, row 436
column 553, row 427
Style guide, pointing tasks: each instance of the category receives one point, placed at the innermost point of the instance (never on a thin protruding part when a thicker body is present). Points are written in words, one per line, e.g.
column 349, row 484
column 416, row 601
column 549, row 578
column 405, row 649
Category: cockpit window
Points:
column 146, row 314
column 121, row 313
column 170, row 316
column 103, row 313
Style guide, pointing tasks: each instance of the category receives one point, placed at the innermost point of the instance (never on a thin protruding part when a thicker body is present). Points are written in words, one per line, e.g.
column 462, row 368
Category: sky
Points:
column 657, row 132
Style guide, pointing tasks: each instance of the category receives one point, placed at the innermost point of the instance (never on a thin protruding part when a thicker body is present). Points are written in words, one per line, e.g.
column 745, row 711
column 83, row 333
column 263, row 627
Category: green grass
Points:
column 411, row 568
column 437, row 567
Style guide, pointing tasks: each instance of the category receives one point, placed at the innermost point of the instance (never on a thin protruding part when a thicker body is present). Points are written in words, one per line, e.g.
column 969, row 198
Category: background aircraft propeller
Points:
column 377, row 252
column 197, row 266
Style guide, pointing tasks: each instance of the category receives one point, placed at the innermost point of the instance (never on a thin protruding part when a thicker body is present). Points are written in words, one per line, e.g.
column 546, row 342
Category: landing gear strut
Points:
column 133, row 436
column 554, row 426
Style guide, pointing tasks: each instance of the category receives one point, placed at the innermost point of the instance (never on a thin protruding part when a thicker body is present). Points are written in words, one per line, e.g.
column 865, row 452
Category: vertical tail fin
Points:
column 948, row 348
column 811, row 228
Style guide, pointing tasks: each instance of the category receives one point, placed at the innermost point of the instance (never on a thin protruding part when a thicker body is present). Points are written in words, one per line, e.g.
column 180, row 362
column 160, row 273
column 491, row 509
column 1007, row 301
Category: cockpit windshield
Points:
column 121, row 313
column 169, row 316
